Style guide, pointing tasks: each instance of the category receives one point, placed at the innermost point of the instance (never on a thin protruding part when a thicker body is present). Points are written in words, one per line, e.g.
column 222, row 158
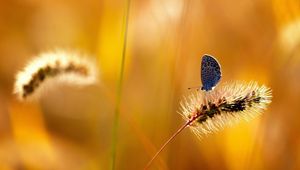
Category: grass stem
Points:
column 169, row 140
column 119, row 88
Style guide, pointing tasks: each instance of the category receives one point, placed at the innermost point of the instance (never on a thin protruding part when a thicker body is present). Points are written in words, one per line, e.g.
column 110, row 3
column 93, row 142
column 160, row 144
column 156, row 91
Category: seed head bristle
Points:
column 54, row 67
column 225, row 105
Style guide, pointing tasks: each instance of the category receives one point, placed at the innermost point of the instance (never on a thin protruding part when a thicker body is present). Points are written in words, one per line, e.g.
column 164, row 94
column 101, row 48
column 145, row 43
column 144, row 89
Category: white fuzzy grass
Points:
column 65, row 58
column 232, row 92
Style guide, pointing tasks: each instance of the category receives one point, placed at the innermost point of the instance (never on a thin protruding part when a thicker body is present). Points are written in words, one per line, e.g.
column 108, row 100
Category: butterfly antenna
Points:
column 196, row 87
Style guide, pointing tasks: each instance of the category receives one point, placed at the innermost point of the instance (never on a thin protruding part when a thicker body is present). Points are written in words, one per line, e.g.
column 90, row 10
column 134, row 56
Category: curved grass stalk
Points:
column 119, row 88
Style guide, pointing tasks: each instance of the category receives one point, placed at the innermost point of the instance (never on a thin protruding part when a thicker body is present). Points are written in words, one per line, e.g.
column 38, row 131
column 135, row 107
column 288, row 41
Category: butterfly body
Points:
column 210, row 72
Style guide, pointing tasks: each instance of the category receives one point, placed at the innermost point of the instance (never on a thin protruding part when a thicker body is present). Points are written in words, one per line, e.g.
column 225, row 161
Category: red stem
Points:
column 169, row 140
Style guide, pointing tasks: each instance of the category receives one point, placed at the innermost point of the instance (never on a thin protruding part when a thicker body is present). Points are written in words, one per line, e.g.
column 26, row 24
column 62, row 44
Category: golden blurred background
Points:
column 70, row 128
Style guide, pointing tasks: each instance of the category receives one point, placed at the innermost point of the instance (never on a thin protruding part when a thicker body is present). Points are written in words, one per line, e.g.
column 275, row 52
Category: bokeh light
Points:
column 71, row 128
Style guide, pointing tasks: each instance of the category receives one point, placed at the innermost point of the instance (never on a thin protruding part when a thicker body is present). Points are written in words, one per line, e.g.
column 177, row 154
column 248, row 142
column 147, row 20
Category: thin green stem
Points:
column 119, row 89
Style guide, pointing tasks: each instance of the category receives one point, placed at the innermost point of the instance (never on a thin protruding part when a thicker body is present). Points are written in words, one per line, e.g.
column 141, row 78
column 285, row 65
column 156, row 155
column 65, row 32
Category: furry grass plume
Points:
column 53, row 67
column 208, row 112
column 226, row 105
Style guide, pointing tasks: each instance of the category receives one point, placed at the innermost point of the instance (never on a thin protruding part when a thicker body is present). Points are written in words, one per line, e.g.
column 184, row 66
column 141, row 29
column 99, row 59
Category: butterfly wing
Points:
column 210, row 72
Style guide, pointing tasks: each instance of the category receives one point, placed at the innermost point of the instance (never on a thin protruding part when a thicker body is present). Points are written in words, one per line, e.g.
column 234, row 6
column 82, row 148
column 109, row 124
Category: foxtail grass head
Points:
column 54, row 67
column 214, row 107
column 225, row 105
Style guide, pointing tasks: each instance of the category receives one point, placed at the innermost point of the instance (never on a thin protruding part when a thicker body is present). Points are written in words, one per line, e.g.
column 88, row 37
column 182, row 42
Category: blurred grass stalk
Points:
column 119, row 87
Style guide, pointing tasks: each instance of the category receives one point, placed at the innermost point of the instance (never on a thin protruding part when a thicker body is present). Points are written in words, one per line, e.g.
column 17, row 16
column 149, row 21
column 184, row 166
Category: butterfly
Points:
column 210, row 72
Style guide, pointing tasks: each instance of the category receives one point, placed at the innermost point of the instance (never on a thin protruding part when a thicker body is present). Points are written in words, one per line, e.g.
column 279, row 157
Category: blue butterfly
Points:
column 210, row 72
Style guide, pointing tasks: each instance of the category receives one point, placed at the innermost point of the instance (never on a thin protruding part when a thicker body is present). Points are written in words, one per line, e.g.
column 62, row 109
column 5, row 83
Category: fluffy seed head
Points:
column 54, row 67
column 225, row 105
